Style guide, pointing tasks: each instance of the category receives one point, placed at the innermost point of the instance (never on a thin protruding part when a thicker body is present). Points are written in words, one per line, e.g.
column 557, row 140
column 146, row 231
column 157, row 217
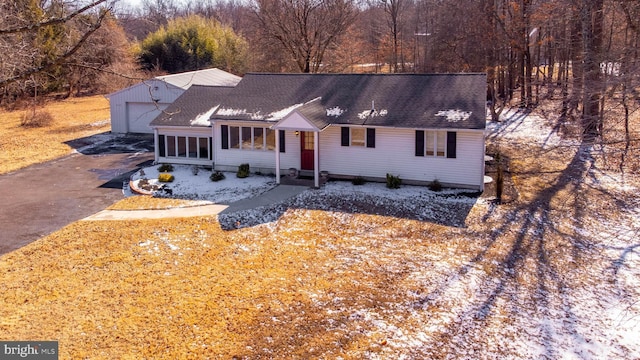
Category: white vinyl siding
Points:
column 395, row 154
column 133, row 108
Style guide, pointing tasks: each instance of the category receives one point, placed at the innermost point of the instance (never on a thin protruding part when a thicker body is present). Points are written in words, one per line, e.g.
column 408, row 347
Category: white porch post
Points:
column 278, row 156
column 316, row 160
column 212, row 143
column 156, row 146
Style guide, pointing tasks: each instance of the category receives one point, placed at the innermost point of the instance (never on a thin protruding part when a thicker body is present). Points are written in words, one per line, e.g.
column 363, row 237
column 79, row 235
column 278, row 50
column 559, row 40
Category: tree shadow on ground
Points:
column 109, row 143
column 117, row 177
column 530, row 269
column 532, row 253
column 532, row 262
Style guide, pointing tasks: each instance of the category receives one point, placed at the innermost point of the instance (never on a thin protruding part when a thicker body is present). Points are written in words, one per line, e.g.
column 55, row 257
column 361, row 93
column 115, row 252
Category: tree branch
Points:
column 50, row 22
column 60, row 59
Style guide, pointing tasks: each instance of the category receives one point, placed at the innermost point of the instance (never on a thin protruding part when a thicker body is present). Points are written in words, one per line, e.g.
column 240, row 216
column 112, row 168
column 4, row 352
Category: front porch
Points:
column 308, row 136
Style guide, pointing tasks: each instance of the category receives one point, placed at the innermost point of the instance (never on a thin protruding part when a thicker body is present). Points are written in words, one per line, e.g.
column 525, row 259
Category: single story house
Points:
column 133, row 108
column 420, row 127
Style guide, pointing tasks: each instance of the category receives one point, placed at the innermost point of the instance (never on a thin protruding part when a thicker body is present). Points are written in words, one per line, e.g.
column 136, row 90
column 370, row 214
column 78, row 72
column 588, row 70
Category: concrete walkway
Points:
column 190, row 211
column 275, row 195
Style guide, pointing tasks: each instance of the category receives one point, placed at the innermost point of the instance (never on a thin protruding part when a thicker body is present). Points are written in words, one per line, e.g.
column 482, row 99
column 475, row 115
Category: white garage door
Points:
column 139, row 115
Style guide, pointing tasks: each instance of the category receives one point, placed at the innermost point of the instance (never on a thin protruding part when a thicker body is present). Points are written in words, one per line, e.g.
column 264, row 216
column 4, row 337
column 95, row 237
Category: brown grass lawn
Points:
column 321, row 284
column 147, row 202
column 73, row 118
column 551, row 274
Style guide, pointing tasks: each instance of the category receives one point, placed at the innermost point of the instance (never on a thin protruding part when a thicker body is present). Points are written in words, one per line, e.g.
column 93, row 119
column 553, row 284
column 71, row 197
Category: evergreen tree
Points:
column 193, row 43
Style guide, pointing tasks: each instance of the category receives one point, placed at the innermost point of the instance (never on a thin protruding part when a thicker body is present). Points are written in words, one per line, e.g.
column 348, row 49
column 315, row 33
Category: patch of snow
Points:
column 203, row 119
column 335, row 111
column 101, row 123
column 448, row 206
column 231, row 112
column 258, row 115
column 372, row 113
column 516, row 125
column 200, row 187
column 454, row 115
column 277, row 115
column 98, row 140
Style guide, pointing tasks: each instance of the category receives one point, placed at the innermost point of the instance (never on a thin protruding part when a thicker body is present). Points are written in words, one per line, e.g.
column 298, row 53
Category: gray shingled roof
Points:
column 193, row 107
column 398, row 100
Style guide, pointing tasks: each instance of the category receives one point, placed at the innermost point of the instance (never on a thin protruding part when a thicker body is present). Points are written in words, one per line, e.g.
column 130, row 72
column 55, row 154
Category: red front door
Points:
column 306, row 150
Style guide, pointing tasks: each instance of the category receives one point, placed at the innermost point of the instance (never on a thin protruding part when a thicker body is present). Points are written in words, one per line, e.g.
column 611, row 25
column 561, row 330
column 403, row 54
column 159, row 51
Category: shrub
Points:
column 435, row 185
column 165, row 168
column 36, row 119
column 165, row 177
column 393, row 182
column 243, row 171
column 217, row 176
column 359, row 180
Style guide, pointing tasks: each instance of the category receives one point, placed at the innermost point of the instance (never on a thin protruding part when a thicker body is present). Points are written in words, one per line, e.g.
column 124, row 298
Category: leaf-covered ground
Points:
column 552, row 274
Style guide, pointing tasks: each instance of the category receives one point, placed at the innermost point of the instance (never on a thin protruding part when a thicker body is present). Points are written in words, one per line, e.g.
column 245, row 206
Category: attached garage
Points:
column 139, row 115
column 133, row 108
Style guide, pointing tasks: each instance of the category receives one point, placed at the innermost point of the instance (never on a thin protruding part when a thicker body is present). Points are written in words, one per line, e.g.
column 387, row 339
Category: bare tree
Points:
column 305, row 28
column 394, row 10
column 592, row 20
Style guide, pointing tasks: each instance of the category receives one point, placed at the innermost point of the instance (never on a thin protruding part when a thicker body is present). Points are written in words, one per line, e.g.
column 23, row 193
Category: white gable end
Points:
column 295, row 121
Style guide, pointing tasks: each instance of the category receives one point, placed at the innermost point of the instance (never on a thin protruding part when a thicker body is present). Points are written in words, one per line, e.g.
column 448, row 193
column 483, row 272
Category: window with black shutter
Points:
column 358, row 137
column 281, row 134
column 371, row 138
column 344, row 136
column 451, row 144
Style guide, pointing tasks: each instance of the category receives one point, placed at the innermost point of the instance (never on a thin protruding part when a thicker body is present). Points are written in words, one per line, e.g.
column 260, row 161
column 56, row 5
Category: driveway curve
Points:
column 42, row 198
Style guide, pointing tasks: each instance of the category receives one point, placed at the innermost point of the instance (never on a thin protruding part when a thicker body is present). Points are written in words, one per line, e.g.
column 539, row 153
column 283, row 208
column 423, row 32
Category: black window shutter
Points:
column 419, row 142
column 282, row 137
column 224, row 130
column 371, row 138
column 451, row 144
column 345, row 136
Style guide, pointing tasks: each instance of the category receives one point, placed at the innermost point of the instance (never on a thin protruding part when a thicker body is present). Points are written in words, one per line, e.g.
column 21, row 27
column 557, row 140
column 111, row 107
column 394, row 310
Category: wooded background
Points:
column 583, row 53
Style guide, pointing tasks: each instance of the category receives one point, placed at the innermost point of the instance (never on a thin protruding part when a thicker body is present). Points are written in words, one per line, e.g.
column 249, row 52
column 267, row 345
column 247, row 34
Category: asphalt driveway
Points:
column 43, row 198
